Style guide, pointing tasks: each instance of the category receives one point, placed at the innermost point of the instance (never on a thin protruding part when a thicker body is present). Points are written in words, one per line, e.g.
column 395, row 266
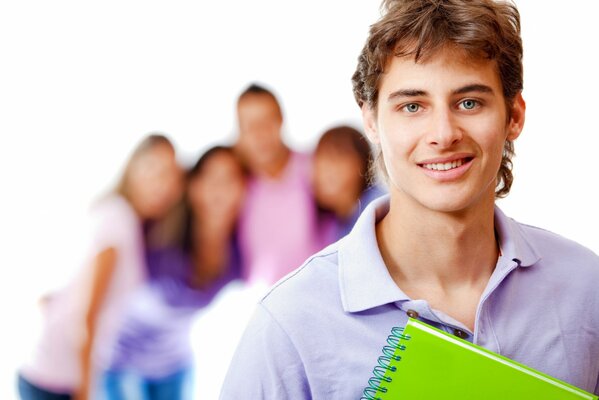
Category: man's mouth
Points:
column 446, row 166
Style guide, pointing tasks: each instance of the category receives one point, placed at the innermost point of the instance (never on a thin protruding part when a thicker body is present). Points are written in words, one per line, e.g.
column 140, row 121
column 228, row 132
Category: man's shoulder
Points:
column 300, row 162
column 556, row 248
column 300, row 156
column 313, row 284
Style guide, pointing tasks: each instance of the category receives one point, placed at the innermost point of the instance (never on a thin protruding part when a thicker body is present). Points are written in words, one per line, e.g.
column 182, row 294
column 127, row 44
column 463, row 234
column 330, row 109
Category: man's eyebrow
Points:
column 473, row 88
column 407, row 93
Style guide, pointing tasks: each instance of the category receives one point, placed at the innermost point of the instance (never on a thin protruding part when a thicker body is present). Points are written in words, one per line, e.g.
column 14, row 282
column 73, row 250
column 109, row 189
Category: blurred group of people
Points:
column 165, row 241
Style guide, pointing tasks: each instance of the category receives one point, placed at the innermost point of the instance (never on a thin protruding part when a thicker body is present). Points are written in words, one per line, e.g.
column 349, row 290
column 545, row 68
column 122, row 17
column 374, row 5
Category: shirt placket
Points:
column 484, row 335
column 483, row 332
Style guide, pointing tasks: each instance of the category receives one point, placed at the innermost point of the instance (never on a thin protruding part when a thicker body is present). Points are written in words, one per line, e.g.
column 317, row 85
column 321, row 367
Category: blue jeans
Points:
column 124, row 385
column 29, row 391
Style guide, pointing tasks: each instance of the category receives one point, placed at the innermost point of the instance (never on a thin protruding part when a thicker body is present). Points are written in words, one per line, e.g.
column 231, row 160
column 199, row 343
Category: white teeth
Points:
column 444, row 166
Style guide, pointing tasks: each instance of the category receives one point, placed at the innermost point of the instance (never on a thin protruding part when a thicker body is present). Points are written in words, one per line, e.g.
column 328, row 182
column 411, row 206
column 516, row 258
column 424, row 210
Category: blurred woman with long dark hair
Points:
column 342, row 182
column 188, row 266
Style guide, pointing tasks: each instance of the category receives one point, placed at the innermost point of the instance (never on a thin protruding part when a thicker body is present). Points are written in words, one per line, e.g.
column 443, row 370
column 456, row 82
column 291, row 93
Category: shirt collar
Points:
column 364, row 280
column 514, row 242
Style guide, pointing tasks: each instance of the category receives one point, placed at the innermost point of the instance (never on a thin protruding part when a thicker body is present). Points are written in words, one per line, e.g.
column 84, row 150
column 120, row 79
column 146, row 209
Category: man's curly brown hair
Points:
column 419, row 28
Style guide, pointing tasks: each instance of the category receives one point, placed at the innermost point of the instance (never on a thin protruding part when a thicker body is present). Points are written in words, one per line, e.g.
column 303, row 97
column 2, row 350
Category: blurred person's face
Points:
column 155, row 181
column 260, row 124
column 217, row 191
column 336, row 177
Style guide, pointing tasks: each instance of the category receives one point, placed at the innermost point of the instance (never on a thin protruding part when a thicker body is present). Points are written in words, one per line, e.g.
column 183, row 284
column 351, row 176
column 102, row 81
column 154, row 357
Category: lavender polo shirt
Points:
column 318, row 333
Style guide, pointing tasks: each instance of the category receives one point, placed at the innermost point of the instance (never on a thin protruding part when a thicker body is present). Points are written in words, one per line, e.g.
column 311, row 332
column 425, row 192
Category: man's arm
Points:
column 266, row 364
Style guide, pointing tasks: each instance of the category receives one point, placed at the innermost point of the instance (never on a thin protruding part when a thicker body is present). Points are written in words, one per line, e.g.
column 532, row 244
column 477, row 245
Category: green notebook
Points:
column 422, row 362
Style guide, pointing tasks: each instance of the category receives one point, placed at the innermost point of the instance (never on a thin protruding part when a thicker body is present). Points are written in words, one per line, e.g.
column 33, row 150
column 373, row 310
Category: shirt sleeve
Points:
column 266, row 364
column 112, row 224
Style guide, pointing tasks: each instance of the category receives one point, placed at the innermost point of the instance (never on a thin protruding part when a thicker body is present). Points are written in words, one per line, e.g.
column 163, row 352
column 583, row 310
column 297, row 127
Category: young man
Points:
column 439, row 84
column 278, row 222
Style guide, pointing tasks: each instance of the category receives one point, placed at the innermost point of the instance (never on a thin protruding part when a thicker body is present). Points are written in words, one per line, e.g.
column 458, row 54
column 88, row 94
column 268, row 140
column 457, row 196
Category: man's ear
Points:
column 516, row 122
column 370, row 125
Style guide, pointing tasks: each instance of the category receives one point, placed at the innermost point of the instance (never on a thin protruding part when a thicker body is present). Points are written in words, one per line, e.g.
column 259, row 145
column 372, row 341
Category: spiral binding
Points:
column 375, row 383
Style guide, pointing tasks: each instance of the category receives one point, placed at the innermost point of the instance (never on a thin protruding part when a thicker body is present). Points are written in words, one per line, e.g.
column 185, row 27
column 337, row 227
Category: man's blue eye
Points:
column 412, row 107
column 469, row 104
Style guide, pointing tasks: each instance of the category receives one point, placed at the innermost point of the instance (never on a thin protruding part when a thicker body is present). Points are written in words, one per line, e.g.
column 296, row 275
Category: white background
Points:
column 82, row 82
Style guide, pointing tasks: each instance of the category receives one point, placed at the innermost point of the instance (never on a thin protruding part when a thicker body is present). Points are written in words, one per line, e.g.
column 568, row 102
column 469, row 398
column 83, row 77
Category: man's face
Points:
column 260, row 124
column 442, row 125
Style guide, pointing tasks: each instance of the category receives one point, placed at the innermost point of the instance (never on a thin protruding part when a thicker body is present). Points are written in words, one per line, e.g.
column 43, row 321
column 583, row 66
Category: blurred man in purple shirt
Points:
column 439, row 84
column 278, row 222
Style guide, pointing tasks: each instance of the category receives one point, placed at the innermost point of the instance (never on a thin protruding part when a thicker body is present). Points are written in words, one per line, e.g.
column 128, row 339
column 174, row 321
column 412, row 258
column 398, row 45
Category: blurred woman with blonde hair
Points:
column 81, row 319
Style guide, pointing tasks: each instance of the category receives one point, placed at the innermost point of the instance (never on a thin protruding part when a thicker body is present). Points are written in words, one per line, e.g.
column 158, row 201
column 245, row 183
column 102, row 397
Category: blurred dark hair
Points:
column 256, row 89
column 195, row 170
column 175, row 230
column 346, row 139
column 201, row 162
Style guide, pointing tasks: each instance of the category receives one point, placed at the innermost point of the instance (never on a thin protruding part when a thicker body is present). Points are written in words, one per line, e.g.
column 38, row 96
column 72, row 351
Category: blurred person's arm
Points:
column 103, row 269
column 44, row 300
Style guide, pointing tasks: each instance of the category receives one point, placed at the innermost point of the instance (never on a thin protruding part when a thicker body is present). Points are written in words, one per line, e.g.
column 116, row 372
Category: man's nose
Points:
column 444, row 130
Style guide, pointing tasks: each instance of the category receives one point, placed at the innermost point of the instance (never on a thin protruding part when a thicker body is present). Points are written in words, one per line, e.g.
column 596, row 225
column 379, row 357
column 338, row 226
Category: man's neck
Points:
column 274, row 169
column 435, row 255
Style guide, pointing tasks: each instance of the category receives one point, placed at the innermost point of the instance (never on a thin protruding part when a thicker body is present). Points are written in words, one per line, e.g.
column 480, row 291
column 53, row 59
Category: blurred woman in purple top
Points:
column 341, row 181
column 81, row 320
column 153, row 354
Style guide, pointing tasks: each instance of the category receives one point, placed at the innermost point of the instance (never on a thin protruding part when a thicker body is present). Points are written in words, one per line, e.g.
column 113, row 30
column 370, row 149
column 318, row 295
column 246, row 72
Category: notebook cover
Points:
column 437, row 365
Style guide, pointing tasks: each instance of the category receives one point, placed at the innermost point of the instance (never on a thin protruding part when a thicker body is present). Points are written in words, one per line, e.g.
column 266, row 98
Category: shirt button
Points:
column 412, row 314
column 460, row 333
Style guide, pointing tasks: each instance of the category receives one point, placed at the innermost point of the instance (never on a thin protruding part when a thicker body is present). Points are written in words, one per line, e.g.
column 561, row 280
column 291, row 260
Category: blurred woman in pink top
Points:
column 80, row 321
